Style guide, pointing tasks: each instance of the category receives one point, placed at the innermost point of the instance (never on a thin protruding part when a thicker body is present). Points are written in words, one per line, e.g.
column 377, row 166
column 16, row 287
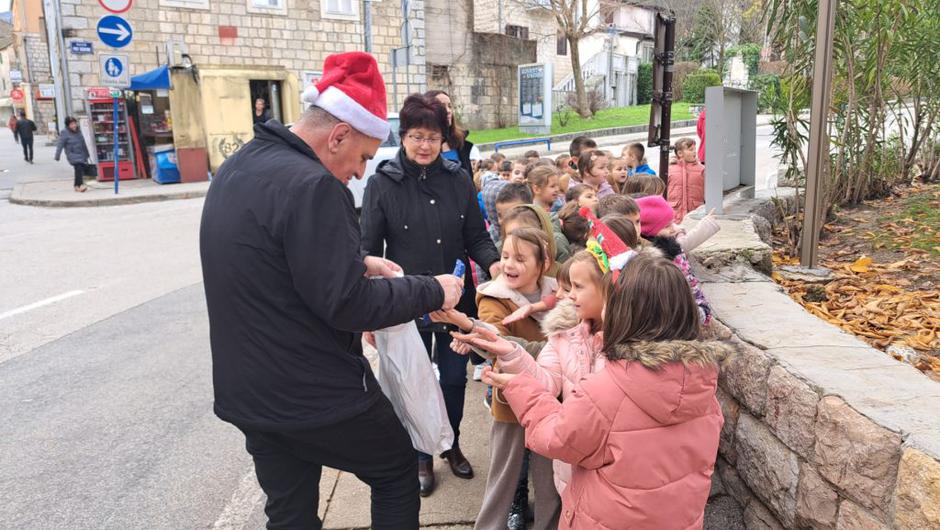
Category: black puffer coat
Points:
column 425, row 218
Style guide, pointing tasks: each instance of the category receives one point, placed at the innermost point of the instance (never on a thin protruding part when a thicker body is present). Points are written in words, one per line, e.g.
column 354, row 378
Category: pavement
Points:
column 56, row 194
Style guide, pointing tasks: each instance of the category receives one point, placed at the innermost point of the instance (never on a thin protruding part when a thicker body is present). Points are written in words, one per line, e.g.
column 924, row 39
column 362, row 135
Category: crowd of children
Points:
column 595, row 282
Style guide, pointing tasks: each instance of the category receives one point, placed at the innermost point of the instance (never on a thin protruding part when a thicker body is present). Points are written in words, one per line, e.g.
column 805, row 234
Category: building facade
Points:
column 31, row 61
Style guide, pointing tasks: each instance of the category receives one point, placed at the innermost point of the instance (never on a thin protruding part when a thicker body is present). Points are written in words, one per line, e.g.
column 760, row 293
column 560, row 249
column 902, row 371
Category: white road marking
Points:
column 41, row 303
column 243, row 502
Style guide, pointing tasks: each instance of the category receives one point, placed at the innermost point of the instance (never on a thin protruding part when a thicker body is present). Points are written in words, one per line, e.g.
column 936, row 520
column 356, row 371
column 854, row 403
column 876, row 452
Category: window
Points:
column 278, row 7
column 561, row 45
column 186, row 4
column 519, row 32
column 341, row 9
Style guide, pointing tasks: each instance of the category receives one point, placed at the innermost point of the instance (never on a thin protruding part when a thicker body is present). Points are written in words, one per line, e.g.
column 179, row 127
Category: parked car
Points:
column 388, row 149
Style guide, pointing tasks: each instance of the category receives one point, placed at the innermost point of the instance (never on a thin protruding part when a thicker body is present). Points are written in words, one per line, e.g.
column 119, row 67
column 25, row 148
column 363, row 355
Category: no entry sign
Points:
column 116, row 6
column 16, row 95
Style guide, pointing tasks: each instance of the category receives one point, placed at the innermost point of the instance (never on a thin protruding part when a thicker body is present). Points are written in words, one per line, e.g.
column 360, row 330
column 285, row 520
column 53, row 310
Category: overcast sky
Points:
column 4, row 5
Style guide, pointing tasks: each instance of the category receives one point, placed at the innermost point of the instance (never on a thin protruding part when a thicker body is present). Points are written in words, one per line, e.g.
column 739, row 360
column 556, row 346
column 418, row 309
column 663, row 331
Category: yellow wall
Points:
column 26, row 15
column 226, row 106
column 189, row 130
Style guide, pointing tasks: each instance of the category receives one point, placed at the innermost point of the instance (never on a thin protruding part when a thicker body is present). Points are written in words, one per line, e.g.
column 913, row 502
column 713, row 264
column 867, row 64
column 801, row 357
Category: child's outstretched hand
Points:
column 487, row 340
column 496, row 379
column 519, row 314
column 452, row 316
column 460, row 347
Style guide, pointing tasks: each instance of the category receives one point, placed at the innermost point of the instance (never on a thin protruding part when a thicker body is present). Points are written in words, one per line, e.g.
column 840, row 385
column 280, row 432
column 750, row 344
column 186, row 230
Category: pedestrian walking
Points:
column 420, row 210
column 11, row 123
column 76, row 152
column 24, row 131
column 288, row 293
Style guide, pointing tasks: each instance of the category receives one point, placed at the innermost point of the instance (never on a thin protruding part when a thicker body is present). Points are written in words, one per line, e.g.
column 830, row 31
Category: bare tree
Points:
column 575, row 20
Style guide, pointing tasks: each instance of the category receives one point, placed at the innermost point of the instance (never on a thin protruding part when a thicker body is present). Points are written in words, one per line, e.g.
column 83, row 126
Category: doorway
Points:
column 270, row 92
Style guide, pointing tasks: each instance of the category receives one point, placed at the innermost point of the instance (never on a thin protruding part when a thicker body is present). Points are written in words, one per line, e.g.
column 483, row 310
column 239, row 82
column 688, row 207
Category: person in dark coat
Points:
column 456, row 146
column 76, row 152
column 261, row 114
column 11, row 123
column 24, row 132
column 420, row 211
column 288, row 296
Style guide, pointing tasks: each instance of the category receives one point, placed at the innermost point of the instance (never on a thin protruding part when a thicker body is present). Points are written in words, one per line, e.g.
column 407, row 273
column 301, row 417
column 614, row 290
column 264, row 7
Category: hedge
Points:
column 693, row 88
column 769, row 92
column 644, row 83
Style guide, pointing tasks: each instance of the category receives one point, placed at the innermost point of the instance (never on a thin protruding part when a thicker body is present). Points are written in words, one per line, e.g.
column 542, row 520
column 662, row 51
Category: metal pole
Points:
column 63, row 60
column 367, row 24
column 117, row 146
column 667, row 58
column 817, row 164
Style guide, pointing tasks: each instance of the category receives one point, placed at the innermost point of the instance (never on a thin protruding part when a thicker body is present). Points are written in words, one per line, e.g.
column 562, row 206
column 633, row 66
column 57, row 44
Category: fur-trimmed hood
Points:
column 672, row 381
column 562, row 318
column 654, row 355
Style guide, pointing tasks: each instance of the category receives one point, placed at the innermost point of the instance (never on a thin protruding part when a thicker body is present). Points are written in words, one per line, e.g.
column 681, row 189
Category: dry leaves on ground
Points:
column 885, row 303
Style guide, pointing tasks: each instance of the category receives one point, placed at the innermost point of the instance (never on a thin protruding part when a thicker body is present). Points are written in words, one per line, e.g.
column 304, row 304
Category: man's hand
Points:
column 453, row 290
column 496, row 269
column 376, row 266
column 496, row 379
column 487, row 340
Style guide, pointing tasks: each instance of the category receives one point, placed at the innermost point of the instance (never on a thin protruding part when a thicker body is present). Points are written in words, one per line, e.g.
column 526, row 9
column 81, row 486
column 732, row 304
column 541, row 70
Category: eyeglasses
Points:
column 434, row 140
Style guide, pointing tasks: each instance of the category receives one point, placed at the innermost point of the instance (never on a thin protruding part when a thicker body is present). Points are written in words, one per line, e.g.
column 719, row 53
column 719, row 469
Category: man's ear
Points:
column 340, row 133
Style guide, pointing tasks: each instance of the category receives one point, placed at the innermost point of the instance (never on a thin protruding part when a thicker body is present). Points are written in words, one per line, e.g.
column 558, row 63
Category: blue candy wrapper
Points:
column 459, row 270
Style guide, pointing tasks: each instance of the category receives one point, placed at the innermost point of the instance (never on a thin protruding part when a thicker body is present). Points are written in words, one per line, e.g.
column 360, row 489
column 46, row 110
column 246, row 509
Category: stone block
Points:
column 791, row 410
column 74, row 22
column 744, row 376
column 730, row 409
column 768, row 466
column 732, row 483
column 856, row 455
column 816, row 502
column 917, row 497
column 758, row 517
column 854, row 517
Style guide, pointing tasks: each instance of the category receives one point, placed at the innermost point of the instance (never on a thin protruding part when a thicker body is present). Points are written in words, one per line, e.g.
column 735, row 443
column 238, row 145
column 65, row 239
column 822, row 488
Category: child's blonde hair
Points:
column 539, row 175
column 643, row 184
column 611, row 179
column 682, row 144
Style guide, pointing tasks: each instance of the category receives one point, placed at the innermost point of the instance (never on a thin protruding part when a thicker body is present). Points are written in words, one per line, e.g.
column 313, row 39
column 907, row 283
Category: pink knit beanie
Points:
column 655, row 214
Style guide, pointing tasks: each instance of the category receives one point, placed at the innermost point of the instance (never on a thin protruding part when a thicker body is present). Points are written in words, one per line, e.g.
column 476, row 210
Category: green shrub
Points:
column 769, row 96
column 644, row 83
column 750, row 54
column 694, row 85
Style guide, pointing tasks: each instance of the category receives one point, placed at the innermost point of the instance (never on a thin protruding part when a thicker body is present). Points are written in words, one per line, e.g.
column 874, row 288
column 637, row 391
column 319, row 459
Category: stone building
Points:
column 31, row 59
column 474, row 48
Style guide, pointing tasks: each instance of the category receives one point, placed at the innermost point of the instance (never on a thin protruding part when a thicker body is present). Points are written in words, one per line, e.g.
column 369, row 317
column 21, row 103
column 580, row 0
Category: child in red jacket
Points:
column 642, row 434
column 686, row 179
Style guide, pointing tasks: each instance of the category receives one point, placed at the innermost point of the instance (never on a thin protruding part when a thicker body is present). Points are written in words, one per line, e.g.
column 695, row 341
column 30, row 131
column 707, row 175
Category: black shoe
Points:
column 518, row 514
column 458, row 463
column 426, row 477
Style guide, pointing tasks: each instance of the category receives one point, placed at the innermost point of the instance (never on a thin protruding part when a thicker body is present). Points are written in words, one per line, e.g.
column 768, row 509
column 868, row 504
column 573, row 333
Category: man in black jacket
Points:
column 24, row 132
column 288, row 296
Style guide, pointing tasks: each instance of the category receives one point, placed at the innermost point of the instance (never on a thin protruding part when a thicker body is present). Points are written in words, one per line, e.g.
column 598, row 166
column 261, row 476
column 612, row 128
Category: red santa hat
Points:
column 616, row 253
column 352, row 90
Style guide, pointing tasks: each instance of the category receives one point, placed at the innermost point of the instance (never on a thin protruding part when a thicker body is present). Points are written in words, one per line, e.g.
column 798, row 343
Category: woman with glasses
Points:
column 420, row 211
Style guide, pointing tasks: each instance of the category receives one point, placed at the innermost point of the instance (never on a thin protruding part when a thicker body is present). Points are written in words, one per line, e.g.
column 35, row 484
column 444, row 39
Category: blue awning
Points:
column 152, row 80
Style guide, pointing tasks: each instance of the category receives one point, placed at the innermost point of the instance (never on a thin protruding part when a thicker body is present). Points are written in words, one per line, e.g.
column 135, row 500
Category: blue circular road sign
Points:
column 115, row 31
column 113, row 67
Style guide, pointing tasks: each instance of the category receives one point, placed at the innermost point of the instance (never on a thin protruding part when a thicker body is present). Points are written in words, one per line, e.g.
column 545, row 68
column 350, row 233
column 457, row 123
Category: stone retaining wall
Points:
column 821, row 430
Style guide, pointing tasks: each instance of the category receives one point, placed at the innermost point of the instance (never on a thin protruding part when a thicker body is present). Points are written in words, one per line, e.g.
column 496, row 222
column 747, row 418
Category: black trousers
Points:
column 27, row 148
column 79, row 174
column 373, row 446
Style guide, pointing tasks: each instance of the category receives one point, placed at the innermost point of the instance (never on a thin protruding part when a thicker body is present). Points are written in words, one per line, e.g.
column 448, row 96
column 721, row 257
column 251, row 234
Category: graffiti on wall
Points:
column 229, row 145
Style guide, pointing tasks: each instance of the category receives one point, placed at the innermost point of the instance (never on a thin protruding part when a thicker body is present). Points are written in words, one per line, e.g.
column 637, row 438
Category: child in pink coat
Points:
column 642, row 434
column 686, row 190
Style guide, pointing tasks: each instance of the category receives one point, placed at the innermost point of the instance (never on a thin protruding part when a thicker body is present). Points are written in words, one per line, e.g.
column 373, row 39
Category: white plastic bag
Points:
column 407, row 379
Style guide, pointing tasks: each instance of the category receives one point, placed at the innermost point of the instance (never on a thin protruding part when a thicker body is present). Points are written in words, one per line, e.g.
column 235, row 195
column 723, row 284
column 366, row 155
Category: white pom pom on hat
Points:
column 352, row 90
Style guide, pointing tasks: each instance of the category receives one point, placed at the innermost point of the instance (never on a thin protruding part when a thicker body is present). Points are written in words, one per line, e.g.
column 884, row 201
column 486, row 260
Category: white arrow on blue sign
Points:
column 115, row 31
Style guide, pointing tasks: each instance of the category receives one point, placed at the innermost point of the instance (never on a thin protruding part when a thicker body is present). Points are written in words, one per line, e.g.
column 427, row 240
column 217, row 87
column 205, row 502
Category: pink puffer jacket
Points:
column 642, row 435
column 686, row 188
column 571, row 354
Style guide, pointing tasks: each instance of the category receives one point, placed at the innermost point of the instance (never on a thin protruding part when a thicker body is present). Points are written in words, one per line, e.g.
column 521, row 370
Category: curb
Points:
column 17, row 198
column 610, row 131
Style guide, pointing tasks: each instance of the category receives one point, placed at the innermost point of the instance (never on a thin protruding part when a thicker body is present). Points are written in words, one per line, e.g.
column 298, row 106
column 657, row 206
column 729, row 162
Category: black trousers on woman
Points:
column 79, row 173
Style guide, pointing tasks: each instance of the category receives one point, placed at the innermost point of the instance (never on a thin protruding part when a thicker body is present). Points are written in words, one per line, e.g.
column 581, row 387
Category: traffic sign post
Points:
column 115, row 31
